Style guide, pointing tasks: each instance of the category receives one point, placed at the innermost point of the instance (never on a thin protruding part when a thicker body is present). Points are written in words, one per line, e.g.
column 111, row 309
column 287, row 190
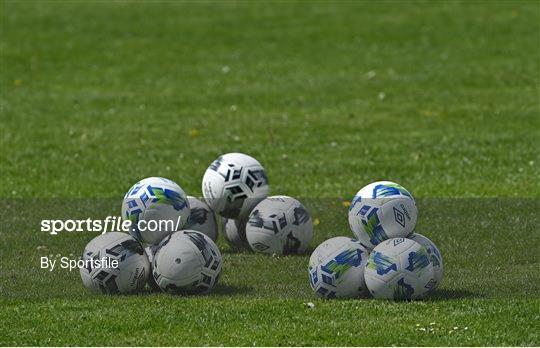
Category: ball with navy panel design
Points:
column 280, row 225
column 186, row 262
column 130, row 273
column 233, row 184
column 234, row 232
column 380, row 211
column 202, row 218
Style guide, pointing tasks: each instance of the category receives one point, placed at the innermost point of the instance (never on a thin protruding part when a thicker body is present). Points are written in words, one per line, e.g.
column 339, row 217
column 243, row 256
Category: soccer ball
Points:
column 151, row 251
column 380, row 211
column 234, row 184
column 279, row 224
column 133, row 266
column 235, row 233
column 156, row 207
column 399, row 269
column 435, row 255
column 187, row 262
column 202, row 218
column 336, row 268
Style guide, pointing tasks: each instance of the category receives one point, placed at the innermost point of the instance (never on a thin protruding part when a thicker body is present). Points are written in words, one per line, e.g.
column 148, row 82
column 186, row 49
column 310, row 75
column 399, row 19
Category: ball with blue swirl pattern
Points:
column 156, row 207
column 399, row 269
column 380, row 211
column 336, row 268
column 434, row 254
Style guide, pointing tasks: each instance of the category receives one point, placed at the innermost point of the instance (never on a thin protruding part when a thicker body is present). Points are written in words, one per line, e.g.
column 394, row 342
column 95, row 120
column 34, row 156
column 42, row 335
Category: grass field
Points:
column 441, row 97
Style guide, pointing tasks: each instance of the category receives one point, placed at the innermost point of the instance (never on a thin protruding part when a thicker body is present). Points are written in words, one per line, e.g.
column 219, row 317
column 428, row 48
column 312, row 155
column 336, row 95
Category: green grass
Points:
column 440, row 97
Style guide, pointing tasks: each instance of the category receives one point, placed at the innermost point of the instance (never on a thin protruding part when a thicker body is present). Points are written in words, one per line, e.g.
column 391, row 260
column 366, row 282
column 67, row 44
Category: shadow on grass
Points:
column 247, row 251
column 219, row 290
column 306, row 252
column 236, row 250
column 231, row 290
column 453, row 294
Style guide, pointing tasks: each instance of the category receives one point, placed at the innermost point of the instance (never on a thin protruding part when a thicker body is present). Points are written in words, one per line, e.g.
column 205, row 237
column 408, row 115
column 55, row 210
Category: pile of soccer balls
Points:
column 402, row 264
column 181, row 255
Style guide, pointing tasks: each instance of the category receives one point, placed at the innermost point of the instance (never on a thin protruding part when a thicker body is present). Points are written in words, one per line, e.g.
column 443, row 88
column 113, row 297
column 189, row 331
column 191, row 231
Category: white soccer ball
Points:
column 133, row 267
column 279, row 224
column 434, row 254
column 187, row 262
column 233, row 184
column 202, row 218
column 235, row 233
column 151, row 251
column 156, row 207
column 336, row 268
column 380, row 211
column 399, row 269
